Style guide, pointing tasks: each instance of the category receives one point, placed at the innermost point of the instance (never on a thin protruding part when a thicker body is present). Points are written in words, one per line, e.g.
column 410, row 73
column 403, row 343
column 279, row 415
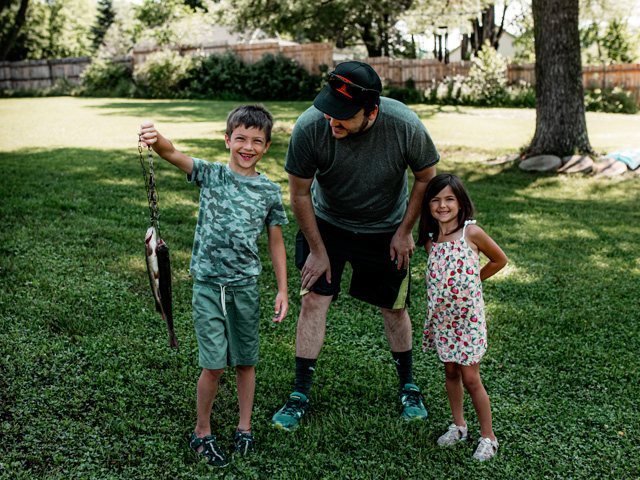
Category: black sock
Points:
column 404, row 366
column 304, row 374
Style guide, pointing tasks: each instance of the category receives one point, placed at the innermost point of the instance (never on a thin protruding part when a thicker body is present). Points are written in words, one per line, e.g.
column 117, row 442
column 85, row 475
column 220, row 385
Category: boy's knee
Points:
column 245, row 368
column 213, row 374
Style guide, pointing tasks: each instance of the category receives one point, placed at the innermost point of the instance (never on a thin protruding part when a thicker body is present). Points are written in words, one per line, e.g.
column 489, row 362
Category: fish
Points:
column 159, row 269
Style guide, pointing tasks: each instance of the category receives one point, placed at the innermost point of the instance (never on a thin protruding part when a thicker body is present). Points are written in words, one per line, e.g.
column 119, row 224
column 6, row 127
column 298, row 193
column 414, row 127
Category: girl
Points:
column 455, row 322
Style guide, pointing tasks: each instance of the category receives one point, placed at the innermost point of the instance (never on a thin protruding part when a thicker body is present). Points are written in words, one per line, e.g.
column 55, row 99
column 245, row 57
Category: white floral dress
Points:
column 455, row 323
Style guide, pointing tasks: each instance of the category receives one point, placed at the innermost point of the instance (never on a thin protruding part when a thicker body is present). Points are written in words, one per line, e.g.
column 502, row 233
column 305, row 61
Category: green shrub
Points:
column 451, row 91
column 488, row 76
column 23, row 93
column 165, row 74
column 520, row 95
column 106, row 78
column 62, row 88
column 609, row 100
column 406, row 94
column 218, row 77
column 281, row 78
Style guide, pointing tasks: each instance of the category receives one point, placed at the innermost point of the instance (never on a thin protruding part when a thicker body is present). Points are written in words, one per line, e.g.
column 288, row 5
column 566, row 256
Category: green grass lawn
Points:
column 89, row 388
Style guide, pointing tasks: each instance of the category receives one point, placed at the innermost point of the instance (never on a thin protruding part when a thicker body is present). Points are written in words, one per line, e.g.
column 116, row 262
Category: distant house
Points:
column 506, row 48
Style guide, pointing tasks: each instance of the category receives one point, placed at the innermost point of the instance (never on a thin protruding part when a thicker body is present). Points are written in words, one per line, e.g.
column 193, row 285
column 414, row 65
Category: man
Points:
column 358, row 147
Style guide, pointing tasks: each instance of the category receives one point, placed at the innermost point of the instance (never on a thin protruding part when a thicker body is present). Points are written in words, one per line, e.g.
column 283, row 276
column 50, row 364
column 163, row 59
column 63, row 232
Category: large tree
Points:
column 13, row 15
column 343, row 22
column 50, row 28
column 561, row 126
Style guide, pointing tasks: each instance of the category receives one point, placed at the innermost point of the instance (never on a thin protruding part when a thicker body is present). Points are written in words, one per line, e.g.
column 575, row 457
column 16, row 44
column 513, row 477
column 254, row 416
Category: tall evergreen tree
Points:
column 105, row 18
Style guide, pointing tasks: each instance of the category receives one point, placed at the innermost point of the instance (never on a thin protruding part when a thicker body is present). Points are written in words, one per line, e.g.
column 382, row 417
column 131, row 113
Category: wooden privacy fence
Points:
column 424, row 72
column 33, row 74
column 309, row 55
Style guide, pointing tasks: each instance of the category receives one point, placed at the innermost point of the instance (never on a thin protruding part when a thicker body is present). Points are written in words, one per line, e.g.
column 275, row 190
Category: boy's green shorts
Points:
column 227, row 333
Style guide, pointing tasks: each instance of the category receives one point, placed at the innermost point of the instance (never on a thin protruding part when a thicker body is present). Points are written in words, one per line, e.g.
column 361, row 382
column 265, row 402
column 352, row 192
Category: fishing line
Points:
column 150, row 185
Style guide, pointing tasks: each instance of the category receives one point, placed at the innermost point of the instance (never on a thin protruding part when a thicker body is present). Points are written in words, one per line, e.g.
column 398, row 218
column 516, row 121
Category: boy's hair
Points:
column 250, row 116
column 428, row 224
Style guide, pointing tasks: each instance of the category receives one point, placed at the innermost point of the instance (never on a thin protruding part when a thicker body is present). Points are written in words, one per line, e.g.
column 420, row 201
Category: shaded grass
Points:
column 90, row 389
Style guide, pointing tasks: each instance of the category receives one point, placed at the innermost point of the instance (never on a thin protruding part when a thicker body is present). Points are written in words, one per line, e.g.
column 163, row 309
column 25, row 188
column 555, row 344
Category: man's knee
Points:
column 314, row 304
column 394, row 316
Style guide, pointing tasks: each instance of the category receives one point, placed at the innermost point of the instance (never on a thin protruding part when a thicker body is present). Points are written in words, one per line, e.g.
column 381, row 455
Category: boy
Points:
column 235, row 202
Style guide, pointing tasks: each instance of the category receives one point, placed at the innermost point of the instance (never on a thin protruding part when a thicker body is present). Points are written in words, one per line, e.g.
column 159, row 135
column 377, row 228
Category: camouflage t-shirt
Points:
column 233, row 211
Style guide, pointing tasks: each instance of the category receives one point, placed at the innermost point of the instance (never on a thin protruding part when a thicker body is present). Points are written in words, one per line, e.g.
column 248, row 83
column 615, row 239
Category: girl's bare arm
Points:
column 485, row 244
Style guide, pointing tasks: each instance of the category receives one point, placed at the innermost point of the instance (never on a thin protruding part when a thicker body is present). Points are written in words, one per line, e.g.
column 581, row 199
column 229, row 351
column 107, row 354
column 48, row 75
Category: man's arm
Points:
column 402, row 244
column 163, row 147
column 317, row 263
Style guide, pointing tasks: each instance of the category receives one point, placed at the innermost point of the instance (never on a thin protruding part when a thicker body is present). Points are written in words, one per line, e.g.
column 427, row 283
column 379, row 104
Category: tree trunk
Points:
column 484, row 30
column 371, row 41
column 7, row 44
column 561, row 127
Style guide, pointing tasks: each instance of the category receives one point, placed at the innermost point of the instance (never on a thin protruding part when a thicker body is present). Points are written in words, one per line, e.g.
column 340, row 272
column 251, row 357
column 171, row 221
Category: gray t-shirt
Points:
column 233, row 211
column 361, row 181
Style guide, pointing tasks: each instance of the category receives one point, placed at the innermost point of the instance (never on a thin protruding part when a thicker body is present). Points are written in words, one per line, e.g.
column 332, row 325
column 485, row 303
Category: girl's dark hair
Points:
column 428, row 224
column 250, row 116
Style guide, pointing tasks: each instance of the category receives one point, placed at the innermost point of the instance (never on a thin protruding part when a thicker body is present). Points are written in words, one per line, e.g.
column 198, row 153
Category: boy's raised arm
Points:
column 163, row 147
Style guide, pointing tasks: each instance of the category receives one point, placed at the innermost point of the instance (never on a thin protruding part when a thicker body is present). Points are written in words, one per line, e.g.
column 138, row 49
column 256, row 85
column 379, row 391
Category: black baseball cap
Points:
column 351, row 86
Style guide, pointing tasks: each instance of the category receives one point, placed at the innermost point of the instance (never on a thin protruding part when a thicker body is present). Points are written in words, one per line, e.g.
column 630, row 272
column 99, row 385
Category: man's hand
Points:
column 402, row 248
column 317, row 264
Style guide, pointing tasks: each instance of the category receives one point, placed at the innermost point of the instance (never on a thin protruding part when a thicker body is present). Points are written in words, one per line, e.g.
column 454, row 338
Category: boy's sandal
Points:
column 211, row 451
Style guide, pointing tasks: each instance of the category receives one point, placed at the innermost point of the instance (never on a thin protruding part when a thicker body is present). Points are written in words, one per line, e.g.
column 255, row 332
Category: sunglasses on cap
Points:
column 349, row 88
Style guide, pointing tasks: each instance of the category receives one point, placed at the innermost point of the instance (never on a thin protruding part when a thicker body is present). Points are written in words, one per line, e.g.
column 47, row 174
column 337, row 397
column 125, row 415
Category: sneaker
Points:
column 211, row 451
column 289, row 416
column 486, row 449
column 243, row 440
column 412, row 407
column 453, row 435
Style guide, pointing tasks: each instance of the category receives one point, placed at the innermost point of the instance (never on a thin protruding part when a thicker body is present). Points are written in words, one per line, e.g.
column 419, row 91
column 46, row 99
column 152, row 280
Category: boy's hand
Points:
column 148, row 134
column 282, row 307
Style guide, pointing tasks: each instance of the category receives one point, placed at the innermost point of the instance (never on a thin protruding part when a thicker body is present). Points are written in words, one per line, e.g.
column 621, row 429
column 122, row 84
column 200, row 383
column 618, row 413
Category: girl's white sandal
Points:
column 486, row 449
column 453, row 435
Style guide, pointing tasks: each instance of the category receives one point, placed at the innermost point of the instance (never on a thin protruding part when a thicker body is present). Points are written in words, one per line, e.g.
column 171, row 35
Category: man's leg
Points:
column 309, row 340
column 397, row 327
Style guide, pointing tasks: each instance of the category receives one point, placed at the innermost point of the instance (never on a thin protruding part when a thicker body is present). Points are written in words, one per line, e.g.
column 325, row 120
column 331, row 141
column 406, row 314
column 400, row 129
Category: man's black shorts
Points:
column 376, row 278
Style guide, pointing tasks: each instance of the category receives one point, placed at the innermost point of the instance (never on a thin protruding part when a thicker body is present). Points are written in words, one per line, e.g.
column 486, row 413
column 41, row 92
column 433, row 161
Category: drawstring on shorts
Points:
column 223, row 299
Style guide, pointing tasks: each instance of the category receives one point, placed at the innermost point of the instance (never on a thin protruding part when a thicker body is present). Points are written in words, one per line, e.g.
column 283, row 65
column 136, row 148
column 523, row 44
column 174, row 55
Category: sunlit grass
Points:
column 90, row 389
